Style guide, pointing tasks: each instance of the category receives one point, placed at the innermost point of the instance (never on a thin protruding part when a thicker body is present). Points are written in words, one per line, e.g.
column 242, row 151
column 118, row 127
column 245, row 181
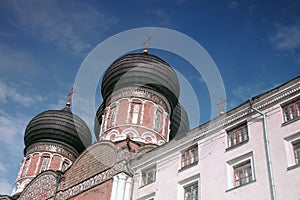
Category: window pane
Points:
column 191, row 192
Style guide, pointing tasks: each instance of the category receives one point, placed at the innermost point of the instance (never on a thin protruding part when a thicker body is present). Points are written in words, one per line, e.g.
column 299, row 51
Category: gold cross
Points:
column 146, row 43
column 221, row 104
column 70, row 95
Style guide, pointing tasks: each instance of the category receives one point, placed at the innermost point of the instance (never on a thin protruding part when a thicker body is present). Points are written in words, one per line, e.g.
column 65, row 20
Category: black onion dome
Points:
column 141, row 70
column 179, row 121
column 60, row 127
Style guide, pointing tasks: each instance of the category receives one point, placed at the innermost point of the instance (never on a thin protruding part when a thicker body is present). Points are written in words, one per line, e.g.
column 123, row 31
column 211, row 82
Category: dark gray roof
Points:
column 58, row 126
column 141, row 70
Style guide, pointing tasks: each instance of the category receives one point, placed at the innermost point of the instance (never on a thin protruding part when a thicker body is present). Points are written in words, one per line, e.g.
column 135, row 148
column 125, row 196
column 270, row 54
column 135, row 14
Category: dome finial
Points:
column 221, row 104
column 146, row 43
column 68, row 104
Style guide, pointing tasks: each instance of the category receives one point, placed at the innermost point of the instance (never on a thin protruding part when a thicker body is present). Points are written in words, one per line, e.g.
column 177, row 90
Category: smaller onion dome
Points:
column 59, row 127
column 179, row 121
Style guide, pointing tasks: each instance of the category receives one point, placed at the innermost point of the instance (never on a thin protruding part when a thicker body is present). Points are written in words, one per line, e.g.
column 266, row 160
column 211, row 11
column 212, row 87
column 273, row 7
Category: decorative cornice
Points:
column 55, row 148
column 140, row 93
column 95, row 180
column 244, row 110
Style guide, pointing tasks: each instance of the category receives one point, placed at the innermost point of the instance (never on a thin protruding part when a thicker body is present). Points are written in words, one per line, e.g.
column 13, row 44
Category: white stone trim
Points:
column 183, row 183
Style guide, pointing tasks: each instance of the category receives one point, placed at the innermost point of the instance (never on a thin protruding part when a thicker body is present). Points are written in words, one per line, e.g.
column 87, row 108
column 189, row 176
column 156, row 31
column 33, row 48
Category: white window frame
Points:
column 231, row 164
column 289, row 148
column 185, row 183
column 135, row 113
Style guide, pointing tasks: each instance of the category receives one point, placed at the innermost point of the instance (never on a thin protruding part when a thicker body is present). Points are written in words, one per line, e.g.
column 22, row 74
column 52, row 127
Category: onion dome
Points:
column 179, row 121
column 59, row 127
column 141, row 70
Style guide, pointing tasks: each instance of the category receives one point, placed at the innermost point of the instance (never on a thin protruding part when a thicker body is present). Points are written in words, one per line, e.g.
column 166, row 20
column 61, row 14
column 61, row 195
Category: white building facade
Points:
column 250, row 152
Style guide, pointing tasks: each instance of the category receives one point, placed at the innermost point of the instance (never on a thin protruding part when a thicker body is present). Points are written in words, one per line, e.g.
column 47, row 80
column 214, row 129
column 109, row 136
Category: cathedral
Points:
column 145, row 149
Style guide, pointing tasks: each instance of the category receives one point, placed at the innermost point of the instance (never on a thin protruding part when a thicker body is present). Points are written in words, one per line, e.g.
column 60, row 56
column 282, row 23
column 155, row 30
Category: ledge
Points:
column 290, row 121
column 293, row 167
column 188, row 166
column 240, row 186
column 236, row 145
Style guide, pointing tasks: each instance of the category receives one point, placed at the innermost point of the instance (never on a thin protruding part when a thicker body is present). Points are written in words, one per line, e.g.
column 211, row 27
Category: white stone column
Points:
column 21, row 168
column 128, row 111
column 142, row 113
column 128, row 185
column 164, row 124
column 102, row 125
column 107, row 110
column 114, row 188
column 50, row 161
column 121, row 186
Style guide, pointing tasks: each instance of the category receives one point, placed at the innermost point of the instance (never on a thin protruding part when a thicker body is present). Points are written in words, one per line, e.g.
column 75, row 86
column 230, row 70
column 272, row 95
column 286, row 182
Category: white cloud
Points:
column 5, row 187
column 65, row 25
column 286, row 38
column 10, row 93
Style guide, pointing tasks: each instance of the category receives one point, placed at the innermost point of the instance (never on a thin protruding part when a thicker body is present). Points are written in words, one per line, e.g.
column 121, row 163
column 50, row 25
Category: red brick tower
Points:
column 53, row 140
column 140, row 93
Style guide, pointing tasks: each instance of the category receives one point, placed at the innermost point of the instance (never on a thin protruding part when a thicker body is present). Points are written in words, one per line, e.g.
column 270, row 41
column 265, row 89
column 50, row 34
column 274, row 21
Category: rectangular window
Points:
column 237, row 135
column 148, row 175
column 297, row 152
column 242, row 173
column 135, row 114
column 291, row 111
column 44, row 164
column 189, row 156
column 157, row 121
column 112, row 117
column 191, row 192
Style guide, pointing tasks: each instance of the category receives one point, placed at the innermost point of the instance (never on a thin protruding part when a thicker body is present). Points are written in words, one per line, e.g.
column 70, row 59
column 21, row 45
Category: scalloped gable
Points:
column 41, row 187
column 95, row 159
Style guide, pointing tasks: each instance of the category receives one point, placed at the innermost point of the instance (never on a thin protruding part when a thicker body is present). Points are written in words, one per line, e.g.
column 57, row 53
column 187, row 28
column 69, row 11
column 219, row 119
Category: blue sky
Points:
column 255, row 45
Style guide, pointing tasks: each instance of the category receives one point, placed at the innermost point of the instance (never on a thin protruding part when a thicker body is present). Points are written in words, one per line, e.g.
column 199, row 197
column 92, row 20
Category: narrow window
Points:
column 242, row 173
column 189, row 156
column 297, row 152
column 135, row 114
column 64, row 166
column 148, row 175
column 157, row 120
column 237, row 135
column 44, row 164
column 112, row 117
column 191, row 192
column 291, row 111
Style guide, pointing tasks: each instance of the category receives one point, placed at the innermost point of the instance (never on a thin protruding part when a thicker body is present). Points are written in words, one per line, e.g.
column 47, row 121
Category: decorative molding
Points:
column 55, row 148
column 43, row 187
column 141, row 93
column 95, row 180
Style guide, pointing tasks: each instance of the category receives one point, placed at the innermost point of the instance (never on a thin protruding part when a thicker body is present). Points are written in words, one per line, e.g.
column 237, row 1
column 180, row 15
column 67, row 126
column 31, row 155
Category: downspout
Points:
column 59, row 178
column 268, row 155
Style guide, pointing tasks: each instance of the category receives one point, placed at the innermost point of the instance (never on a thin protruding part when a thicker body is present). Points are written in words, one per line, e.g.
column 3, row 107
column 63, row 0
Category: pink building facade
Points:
column 227, row 158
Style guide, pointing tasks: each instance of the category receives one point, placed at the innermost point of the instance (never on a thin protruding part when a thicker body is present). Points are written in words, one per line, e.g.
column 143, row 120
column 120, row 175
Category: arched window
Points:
column 135, row 113
column 157, row 120
column 44, row 164
column 112, row 116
